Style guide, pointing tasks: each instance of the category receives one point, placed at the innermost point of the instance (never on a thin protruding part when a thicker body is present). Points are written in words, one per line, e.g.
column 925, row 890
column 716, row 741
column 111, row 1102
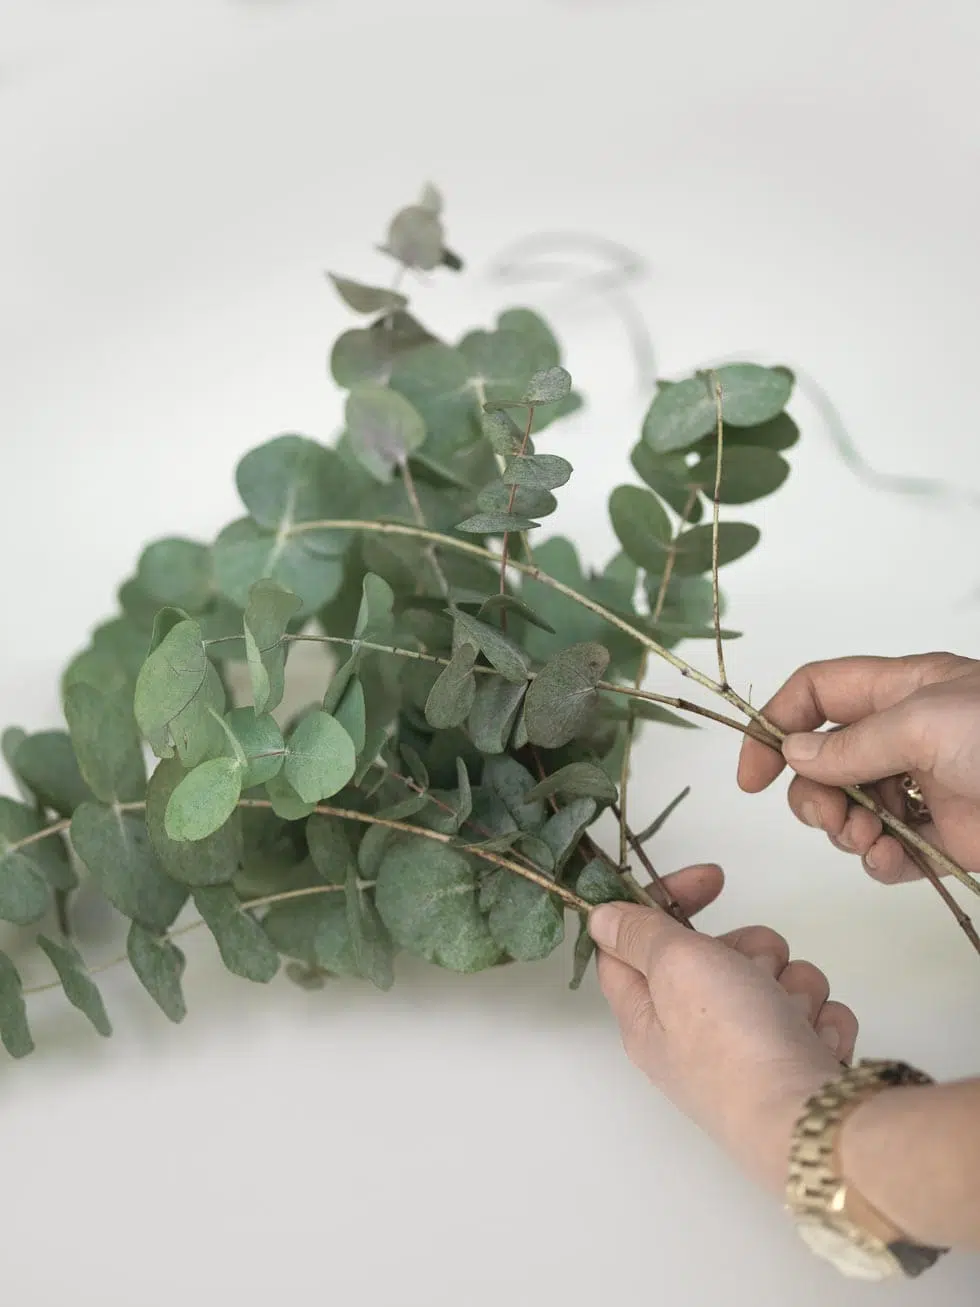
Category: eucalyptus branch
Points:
column 655, row 616
column 666, row 899
column 413, row 496
column 510, row 508
column 771, row 734
column 715, row 534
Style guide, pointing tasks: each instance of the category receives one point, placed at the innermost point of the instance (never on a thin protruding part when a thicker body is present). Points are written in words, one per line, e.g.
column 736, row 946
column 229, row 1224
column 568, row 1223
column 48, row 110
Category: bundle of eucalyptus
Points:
column 480, row 709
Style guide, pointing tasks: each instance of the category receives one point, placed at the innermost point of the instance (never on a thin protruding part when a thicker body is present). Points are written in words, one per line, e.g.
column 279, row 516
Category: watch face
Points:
column 858, row 1261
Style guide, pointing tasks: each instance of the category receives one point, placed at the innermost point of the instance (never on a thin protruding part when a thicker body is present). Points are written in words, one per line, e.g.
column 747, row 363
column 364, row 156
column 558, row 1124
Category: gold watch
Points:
column 830, row 1215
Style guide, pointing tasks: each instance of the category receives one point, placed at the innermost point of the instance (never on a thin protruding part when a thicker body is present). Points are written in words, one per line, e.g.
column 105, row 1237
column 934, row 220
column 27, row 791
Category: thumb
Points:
column 872, row 749
column 633, row 934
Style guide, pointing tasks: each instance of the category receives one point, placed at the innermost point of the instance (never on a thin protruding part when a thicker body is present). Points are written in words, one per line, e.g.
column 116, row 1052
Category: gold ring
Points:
column 916, row 809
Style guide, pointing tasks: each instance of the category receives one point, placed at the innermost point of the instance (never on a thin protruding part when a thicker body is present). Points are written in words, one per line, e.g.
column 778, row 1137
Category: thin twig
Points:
column 655, row 616
column 510, row 508
column 413, row 497
column 667, row 900
column 771, row 735
column 715, row 534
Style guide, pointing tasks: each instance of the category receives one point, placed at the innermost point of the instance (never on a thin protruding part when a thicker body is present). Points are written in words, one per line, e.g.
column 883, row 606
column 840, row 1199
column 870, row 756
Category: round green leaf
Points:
column 415, row 238
column 292, row 479
column 537, row 471
column 747, row 474
column 106, row 743
column 525, row 920
column 548, row 386
column 685, row 411
column 507, row 657
column 261, row 741
column 115, row 847
column 176, row 573
column 426, row 895
column 14, row 1030
column 383, row 427
column 204, row 799
column 211, row 861
column 367, row 299
column 642, row 526
column 268, row 614
column 454, row 690
column 562, row 697
column 694, row 547
column 24, row 893
column 310, row 565
column 320, row 758
column 159, row 965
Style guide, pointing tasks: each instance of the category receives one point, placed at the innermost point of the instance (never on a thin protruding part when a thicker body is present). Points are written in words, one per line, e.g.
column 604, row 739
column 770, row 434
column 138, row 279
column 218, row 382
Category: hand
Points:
column 919, row 715
column 731, row 1030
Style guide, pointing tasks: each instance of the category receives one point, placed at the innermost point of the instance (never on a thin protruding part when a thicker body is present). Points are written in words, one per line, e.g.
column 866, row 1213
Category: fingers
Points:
column 628, row 995
column 807, row 987
column 837, row 1026
column 853, row 829
column 765, row 947
column 634, row 935
column 694, row 888
column 839, row 690
column 896, row 740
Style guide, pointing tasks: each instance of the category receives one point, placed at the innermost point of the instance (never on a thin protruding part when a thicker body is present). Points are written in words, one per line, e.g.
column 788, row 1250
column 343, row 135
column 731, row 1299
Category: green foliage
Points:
column 471, row 711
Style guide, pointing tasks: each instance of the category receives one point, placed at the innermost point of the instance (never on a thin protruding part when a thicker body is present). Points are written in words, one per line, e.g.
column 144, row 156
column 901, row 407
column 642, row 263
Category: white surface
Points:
column 803, row 182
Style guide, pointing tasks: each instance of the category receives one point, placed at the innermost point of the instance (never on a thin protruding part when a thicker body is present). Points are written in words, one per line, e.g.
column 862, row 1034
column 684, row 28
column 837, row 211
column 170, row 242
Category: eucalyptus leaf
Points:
column 694, row 547
column 415, row 238
column 383, row 427
column 537, row 471
column 747, row 474
column 269, row 611
column 682, row 413
column 494, row 712
column 261, row 741
column 495, row 524
column 173, row 677
column 577, row 780
column 501, row 603
column 320, row 758
column 454, row 691
column 204, row 800
column 503, row 433
column 106, row 744
column 561, row 699
column 525, row 920
column 367, row 299
column 584, row 953
column 159, row 965
column 426, row 896
column 351, row 713
column 371, row 944
column 309, row 565
column 642, row 526
column 512, row 784
column 47, row 856
column 46, row 764
column 80, row 989
column 214, row 860
column 176, row 573
column 522, row 501
column 500, row 651
column 598, row 883
column 562, row 831
column 245, row 948
column 116, row 849
column 24, row 892
column 290, row 480
column 670, row 476
column 14, row 1030
column 548, row 386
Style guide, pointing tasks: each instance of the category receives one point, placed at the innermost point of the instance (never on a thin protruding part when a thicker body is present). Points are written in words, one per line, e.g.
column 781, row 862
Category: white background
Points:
column 802, row 181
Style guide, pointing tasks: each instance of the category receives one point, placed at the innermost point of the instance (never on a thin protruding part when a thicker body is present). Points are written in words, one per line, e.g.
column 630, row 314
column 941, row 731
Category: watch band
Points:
column 815, row 1183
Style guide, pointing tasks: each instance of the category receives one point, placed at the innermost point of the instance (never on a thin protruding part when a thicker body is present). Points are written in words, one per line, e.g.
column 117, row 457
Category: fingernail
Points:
column 802, row 748
column 831, row 1037
column 870, row 860
column 810, row 813
column 604, row 925
column 844, row 842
